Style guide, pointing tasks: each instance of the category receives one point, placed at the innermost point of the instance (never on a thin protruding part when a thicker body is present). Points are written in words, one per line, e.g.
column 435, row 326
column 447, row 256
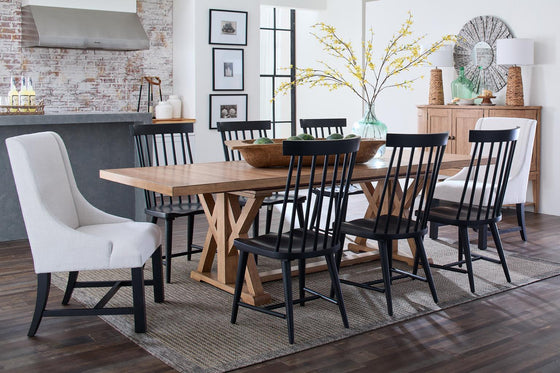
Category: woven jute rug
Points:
column 191, row 330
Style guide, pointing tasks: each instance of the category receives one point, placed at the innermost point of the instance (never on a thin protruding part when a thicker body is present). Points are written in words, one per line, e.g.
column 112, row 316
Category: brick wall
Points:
column 70, row 80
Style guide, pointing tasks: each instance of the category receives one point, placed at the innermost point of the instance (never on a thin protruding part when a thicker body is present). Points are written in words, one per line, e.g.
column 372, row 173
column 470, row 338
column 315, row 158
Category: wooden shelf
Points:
column 178, row 120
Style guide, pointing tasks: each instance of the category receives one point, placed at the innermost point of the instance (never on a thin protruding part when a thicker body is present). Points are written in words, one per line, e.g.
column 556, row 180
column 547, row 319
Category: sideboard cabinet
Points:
column 458, row 120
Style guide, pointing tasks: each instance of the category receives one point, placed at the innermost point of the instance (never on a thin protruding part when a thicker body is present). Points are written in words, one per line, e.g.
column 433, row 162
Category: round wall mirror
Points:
column 475, row 50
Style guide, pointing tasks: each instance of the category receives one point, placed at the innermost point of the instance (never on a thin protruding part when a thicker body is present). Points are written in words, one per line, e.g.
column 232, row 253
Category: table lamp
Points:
column 514, row 52
column 443, row 57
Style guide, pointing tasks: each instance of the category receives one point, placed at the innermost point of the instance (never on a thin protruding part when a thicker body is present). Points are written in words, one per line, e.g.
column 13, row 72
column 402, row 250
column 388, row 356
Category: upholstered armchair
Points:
column 450, row 189
column 68, row 234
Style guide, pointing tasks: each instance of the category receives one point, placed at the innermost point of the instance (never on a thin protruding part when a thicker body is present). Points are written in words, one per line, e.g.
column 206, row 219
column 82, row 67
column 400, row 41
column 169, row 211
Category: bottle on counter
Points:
column 23, row 96
column 13, row 96
column 164, row 110
column 31, row 94
column 462, row 87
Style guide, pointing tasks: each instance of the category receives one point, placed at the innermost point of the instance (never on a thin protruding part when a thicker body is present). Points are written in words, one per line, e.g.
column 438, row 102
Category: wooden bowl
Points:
column 270, row 155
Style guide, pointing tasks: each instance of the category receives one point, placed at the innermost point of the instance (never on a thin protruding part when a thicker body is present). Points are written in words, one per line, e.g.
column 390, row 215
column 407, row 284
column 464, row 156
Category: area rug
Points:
column 191, row 331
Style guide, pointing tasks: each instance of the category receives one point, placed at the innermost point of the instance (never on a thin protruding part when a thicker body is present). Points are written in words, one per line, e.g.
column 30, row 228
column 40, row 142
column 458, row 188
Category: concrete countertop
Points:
column 75, row 118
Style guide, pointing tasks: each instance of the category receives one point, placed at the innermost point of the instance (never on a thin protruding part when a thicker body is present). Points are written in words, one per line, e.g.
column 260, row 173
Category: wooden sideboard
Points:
column 459, row 119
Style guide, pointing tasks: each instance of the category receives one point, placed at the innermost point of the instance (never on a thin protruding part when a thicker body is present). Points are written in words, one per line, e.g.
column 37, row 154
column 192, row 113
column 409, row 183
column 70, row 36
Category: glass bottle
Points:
column 31, row 94
column 23, row 97
column 462, row 87
column 13, row 96
column 371, row 127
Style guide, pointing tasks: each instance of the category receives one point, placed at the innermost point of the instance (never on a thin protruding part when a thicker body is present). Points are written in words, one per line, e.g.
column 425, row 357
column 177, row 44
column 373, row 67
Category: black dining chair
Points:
column 322, row 128
column 402, row 209
column 482, row 195
column 332, row 164
column 251, row 130
column 165, row 145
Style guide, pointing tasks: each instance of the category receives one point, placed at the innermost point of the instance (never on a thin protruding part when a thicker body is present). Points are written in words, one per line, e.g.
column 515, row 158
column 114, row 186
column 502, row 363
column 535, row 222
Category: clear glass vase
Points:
column 371, row 127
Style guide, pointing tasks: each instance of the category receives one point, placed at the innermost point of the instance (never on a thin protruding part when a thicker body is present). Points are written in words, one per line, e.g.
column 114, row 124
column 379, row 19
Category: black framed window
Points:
column 278, row 46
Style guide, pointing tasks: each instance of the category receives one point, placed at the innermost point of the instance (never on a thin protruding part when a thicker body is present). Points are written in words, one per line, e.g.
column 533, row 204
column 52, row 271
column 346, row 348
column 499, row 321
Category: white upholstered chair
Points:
column 67, row 234
column 450, row 189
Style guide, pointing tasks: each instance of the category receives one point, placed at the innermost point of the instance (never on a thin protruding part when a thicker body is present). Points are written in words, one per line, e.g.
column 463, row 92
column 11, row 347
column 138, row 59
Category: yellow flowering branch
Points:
column 372, row 78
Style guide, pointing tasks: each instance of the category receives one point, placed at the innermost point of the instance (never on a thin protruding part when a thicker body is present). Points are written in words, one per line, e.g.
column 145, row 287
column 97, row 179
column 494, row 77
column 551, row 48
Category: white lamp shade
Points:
column 443, row 57
column 514, row 51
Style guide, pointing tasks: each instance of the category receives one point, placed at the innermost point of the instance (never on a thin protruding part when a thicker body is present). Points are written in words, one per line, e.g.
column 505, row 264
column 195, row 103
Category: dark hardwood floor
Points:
column 517, row 330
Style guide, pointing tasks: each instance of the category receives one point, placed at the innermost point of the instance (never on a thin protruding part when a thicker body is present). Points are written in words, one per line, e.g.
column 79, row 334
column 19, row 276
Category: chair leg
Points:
column 168, row 248
column 335, row 285
column 256, row 225
column 43, row 287
column 520, row 209
column 269, row 211
column 159, row 292
column 241, row 267
column 190, row 232
column 421, row 252
column 383, row 247
column 500, row 249
column 301, row 270
column 72, row 278
column 287, row 280
column 138, row 300
column 482, row 237
column 434, row 230
column 464, row 243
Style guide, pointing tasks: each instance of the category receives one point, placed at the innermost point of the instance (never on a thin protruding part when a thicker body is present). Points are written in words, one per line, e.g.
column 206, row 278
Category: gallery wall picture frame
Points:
column 227, row 108
column 228, row 27
column 227, row 69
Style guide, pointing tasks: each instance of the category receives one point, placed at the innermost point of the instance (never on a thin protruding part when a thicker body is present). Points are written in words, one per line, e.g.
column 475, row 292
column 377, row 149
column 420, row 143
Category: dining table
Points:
column 219, row 186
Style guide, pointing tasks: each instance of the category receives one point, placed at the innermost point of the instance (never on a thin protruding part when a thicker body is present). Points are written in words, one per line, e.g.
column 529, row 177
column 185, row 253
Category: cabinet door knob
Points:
column 451, row 137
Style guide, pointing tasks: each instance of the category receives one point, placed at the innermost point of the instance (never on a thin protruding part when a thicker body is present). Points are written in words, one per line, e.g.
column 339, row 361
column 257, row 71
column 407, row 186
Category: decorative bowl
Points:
column 270, row 155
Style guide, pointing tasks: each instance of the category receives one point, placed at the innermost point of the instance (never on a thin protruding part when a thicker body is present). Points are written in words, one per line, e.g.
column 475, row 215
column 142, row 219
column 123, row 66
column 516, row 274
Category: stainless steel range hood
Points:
column 44, row 26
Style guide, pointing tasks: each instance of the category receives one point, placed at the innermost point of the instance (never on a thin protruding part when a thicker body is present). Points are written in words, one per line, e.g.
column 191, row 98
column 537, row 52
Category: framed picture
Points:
column 228, row 27
column 227, row 67
column 227, row 108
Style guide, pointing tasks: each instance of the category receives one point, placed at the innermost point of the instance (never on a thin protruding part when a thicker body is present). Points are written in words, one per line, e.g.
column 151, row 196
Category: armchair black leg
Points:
column 43, row 287
column 335, row 286
column 190, row 232
column 500, row 249
column 301, row 270
column 168, row 248
column 434, row 230
column 383, row 247
column 159, row 292
column 464, row 243
column 483, row 237
column 520, row 210
column 241, row 266
column 421, row 252
column 72, row 278
column 269, row 211
column 287, row 280
column 139, row 300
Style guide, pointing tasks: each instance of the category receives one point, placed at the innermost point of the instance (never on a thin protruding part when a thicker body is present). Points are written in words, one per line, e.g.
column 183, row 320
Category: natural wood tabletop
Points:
column 220, row 177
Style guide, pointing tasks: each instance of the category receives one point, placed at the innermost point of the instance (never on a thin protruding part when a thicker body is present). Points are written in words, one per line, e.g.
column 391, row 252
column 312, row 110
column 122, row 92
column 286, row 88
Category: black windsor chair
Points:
column 164, row 145
column 487, row 176
column 251, row 130
column 395, row 217
column 308, row 241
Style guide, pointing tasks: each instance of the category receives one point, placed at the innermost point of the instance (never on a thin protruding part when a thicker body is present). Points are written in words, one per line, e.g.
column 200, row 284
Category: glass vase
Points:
column 371, row 127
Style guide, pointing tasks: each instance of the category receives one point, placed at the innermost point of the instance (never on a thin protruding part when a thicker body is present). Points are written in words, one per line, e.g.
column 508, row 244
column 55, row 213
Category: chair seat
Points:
column 132, row 243
column 266, row 245
column 352, row 190
column 173, row 210
column 365, row 228
column 448, row 215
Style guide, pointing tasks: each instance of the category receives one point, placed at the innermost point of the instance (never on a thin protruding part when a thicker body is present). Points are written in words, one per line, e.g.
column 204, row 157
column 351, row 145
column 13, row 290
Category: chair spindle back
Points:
column 322, row 127
column 245, row 130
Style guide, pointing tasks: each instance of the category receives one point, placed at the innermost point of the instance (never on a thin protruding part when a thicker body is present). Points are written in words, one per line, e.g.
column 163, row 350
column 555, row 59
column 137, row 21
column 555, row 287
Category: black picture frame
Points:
column 227, row 27
column 228, row 69
column 227, row 108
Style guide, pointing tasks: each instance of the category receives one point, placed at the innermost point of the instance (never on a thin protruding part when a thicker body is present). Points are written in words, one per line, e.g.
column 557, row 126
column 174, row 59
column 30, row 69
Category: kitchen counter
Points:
column 94, row 141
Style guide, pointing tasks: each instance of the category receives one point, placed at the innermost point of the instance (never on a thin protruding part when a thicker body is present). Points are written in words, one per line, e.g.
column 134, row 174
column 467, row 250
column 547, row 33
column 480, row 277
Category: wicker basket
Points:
column 270, row 155
column 22, row 109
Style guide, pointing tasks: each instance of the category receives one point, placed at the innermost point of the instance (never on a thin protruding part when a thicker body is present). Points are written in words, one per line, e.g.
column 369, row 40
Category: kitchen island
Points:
column 94, row 141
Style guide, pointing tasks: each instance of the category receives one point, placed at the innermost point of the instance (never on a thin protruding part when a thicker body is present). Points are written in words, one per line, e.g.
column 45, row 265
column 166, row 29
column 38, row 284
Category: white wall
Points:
column 536, row 20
